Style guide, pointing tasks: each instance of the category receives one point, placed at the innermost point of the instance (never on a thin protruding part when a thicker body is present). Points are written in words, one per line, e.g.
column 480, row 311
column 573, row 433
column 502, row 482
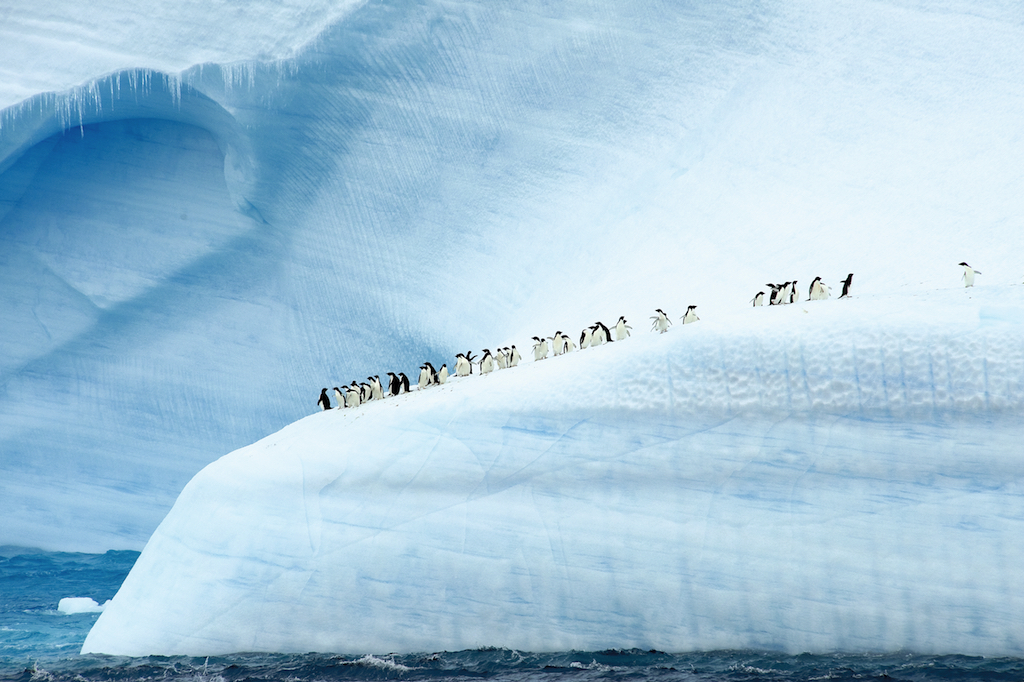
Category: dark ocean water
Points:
column 39, row 644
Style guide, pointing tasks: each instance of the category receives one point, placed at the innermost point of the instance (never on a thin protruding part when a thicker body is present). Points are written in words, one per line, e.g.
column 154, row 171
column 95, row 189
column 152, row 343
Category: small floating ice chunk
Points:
column 71, row 605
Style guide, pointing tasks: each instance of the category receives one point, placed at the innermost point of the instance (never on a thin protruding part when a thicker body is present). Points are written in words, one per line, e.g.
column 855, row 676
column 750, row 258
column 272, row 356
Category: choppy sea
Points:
column 40, row 644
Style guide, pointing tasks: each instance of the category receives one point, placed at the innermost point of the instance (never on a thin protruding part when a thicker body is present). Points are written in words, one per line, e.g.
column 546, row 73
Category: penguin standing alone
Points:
column 621, row 328
column 661, row 321
column 969, row 274
column 689, row 317
column 846, row 286
column 758, row 299
column 324, row 402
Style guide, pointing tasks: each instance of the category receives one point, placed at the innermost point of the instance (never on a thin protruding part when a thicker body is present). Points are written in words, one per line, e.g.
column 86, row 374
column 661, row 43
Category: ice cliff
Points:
column 210, row 211
column 833, row 475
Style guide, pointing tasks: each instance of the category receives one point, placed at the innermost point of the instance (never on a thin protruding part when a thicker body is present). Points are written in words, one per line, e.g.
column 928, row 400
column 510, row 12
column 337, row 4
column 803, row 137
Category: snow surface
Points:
column 207, row 214
column 829, row 475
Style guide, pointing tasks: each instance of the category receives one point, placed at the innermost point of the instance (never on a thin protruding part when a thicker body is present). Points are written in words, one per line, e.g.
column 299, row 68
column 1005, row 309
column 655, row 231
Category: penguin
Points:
column 540, row 349
column 340, row 397
column 968, row 276
column 433, row 373
column 586, row 337
column 689, row 316
column 442, row 374
column 846, row 286
column 621, row 328
column 814, row 291
column 324, row 402
column 758, row 299
column 557, row 346
column 460, row 365
column 351, row 397
column 785, row 294
column 569, row 345
column 794, row 295
column 486, row 362
column 661, row 321
column 601, row 334
column 424, row 377
column 514, row 357
column 354, row 388
column 394, row 385
column 501, row 359
column 470, row 359
column 377, row 391
column 365, row 392
column 405, row 381
column 776, row 290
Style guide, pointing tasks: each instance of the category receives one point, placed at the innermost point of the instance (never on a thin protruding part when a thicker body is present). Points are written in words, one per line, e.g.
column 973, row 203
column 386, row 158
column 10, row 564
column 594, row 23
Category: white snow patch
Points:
column 73, row 605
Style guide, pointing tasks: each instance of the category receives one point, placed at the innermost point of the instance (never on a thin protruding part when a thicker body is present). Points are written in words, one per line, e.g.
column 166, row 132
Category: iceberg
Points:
column 830, row 475
column 210, row 211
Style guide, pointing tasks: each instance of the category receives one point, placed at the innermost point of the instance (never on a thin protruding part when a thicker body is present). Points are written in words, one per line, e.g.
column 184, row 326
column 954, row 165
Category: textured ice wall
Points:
column 424, row 178
column 843, row 475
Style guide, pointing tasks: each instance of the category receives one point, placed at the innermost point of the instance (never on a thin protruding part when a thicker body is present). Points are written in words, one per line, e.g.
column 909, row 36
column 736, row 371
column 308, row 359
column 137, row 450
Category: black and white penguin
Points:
column 540, row 349
column 501, row 359
column 433, row 373
column 486, row 362
column 586, row 338
column 339, row 396
column 377, row 392
column 442, row 374
column 405, row 381
column 661, row 322
column 621, row 328
column 365, row 392
column 846, row 286
column 689, row 317
column 969, row 274
column 784, row 294
column 324, row 402
column 557, row 345
column 394, row 384
column 601, row 335
column 424, row 380
column 758, row 299
column 354, row 388
column 813, row 292
column 514, row 357
column 470, row 359
column 773, row 299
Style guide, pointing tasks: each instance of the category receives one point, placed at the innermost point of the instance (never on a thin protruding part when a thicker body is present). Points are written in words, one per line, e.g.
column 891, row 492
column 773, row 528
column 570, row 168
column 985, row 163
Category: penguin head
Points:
column 323, row 390
column 965, row 265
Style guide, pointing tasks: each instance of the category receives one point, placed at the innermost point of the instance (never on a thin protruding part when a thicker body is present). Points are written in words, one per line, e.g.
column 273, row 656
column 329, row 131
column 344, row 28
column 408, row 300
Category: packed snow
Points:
column 827, row 475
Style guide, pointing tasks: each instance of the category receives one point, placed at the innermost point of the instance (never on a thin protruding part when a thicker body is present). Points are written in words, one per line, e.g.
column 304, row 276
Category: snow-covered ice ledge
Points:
column 839, row 475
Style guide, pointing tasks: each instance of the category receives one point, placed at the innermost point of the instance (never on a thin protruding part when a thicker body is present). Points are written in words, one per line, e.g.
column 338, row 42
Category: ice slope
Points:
column 834, row 475
column 190, row 249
